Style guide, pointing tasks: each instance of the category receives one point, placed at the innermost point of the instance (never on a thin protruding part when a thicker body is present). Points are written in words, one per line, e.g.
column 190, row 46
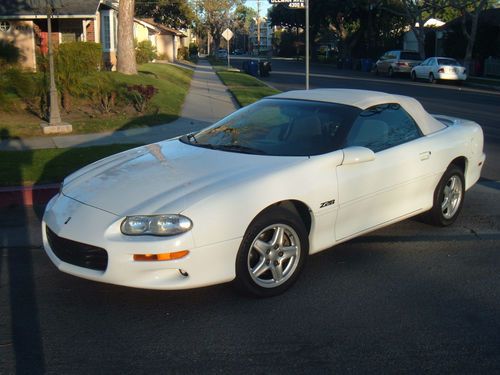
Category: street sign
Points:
column 227, row 34
column 294, row 4
column 300, row 4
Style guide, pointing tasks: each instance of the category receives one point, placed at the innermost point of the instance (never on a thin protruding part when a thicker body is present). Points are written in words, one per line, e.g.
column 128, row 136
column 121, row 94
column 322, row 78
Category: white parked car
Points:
column 437, row 68
column 252, row 196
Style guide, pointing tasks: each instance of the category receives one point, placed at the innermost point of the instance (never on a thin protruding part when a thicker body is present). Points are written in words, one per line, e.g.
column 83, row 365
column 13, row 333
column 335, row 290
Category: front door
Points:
column 391, row 186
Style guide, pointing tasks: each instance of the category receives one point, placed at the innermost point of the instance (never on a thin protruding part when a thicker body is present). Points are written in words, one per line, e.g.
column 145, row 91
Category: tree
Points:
column 417, row 13
column 125, row 56
column 470, row 10
column 242, row 20
column 215, row 15
column 177, row 14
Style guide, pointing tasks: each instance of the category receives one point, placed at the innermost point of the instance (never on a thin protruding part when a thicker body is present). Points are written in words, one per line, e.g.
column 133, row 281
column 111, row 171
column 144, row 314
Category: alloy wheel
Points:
column 274, row 255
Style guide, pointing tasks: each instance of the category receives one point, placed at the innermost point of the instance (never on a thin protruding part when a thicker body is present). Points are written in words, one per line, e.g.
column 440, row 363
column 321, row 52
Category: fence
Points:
column 492, row 67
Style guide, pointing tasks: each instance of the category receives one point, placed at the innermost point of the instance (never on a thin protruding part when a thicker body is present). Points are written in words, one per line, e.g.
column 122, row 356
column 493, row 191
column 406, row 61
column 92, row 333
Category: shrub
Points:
column 31, row 88
column 9, row 54
column 74, row 61
column 193, row 49
column 103, row 92
column 141, row 95
column 145, row 52
column 182, row 53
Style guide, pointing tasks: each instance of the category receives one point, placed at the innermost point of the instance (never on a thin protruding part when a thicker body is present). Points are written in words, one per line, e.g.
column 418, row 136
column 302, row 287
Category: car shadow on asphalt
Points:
column 18, row 289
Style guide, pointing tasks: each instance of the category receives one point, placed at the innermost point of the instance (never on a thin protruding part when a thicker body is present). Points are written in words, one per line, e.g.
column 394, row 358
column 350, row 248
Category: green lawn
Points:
column 51, row 165
column 245, row 88
column 171, row 81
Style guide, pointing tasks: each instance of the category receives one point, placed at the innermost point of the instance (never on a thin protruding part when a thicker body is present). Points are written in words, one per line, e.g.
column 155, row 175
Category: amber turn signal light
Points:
column 160, row 257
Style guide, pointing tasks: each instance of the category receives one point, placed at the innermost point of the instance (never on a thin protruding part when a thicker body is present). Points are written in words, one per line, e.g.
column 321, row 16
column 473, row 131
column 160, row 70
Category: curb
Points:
column 27, row 195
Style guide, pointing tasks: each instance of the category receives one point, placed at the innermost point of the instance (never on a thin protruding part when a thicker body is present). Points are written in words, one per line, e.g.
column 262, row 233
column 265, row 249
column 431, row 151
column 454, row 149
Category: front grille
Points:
column 76, row 253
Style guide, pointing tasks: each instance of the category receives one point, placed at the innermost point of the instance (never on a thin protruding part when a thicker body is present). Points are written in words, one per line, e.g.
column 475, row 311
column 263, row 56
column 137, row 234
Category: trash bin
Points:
column 253, row 68
column 366, row 65
column 264, row 68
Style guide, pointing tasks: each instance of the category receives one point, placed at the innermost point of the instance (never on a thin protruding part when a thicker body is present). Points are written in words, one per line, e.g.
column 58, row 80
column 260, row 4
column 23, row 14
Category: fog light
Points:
column 160, row 257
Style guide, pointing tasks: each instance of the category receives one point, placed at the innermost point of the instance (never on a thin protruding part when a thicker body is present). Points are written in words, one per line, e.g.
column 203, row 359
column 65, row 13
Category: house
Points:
column 166, row 40
column 265, row 42
column 410, row 42
column 25, row 24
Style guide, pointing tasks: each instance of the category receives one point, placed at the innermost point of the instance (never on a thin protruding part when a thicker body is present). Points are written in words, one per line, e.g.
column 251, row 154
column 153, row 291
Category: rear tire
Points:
column 390, row 73
column 432, row 79
column 272, row 253
column 448, row 198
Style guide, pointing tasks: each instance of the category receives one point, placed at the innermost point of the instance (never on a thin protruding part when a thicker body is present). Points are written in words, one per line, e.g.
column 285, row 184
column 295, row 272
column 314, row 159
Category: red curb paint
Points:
column 27, row 195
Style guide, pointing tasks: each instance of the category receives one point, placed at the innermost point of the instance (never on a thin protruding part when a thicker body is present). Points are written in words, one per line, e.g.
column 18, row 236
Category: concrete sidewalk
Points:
column 207, row 101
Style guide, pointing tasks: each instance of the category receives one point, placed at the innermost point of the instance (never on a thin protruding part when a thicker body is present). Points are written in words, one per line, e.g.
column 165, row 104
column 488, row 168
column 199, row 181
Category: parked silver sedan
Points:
column 395, row 62
column 439, row 68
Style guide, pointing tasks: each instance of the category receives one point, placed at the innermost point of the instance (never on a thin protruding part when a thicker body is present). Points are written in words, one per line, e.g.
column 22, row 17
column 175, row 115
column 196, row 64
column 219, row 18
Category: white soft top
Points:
column 364, row 99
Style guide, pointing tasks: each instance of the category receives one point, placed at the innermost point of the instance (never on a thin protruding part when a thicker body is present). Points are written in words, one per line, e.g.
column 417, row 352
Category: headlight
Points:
column 156, row 225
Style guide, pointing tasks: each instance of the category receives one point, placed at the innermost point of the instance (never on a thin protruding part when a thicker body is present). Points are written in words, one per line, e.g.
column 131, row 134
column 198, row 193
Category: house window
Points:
column 4, row 26
column 106, row 32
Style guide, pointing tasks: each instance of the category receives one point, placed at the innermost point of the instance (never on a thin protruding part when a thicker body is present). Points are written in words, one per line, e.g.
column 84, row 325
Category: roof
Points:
column 162, row 29
column 364, row 99
column 31, row 8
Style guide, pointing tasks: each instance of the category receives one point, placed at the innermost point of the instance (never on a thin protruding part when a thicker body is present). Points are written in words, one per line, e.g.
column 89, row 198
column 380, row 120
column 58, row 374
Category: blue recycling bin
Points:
column 251, row 67
column 366, row 65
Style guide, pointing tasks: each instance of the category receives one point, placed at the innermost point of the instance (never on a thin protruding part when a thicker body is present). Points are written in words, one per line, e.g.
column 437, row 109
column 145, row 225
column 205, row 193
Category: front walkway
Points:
column 207, row 101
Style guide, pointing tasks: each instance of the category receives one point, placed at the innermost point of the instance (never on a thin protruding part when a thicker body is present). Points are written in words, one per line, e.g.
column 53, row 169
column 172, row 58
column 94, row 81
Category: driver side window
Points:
column 381, row 127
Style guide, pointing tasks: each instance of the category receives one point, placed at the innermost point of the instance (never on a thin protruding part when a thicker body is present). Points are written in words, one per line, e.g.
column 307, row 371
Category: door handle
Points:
column 425, row 155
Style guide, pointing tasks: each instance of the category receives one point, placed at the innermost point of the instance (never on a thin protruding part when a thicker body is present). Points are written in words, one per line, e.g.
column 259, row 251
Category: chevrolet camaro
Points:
column 250, row 197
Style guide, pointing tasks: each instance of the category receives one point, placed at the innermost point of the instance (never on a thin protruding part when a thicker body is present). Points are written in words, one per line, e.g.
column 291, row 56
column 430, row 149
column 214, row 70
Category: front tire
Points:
column 272, row 253
column 448, row 197
column 413, row 76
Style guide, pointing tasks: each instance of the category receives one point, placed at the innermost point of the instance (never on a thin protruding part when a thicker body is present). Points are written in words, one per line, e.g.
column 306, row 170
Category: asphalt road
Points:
column 410, row 298
column 480, row 105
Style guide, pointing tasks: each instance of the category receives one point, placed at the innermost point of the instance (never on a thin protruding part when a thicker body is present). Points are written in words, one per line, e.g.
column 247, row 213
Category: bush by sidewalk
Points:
column 100, row 104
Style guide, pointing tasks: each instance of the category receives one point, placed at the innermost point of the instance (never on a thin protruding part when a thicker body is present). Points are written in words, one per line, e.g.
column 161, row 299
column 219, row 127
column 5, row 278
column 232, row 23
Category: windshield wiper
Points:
column 191, row 137
column 239, row 148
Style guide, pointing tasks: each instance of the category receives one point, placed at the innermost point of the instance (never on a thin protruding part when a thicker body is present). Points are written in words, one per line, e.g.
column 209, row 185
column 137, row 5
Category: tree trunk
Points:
column 125, row 56
column 471, row 37
column 419, row 33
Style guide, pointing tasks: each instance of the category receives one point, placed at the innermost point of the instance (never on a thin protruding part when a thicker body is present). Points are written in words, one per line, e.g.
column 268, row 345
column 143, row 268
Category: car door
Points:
column 433, row 67
column 420, row 70
column 395, row 184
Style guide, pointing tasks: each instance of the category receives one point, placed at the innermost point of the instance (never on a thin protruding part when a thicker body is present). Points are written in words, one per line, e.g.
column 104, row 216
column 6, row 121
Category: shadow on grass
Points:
column 149, row 120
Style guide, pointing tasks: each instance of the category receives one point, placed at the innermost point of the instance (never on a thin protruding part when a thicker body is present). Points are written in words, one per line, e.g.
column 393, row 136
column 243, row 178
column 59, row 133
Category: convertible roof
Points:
column 364, row 99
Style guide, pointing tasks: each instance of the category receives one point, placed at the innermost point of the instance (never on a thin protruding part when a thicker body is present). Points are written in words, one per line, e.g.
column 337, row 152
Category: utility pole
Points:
column 307, row 44
column 55, row 125
column 258, row 28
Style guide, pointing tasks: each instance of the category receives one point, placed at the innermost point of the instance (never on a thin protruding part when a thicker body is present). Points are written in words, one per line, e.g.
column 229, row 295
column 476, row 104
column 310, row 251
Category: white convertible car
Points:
column 249, row 198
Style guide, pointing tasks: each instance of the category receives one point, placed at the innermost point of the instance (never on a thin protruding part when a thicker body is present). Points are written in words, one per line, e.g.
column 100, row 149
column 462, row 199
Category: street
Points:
column 410, row 298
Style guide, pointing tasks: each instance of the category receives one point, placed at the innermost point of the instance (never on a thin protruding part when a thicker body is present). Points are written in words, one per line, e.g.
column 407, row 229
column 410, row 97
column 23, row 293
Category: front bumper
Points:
column 207, row 265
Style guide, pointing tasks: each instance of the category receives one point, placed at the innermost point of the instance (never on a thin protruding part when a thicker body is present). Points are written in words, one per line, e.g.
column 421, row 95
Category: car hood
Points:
column 165, row 177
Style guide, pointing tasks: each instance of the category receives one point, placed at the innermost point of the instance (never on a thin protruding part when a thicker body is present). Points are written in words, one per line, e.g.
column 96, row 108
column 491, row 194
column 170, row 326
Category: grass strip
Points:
column 245, row 88
column 31, row 167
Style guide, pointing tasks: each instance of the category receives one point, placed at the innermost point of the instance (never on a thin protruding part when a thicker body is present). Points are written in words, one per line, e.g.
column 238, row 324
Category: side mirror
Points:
column 357, row 154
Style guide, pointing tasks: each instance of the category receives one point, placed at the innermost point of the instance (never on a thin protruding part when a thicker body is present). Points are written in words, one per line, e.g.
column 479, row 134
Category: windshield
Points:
column 410, row 56
column 280, row 127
